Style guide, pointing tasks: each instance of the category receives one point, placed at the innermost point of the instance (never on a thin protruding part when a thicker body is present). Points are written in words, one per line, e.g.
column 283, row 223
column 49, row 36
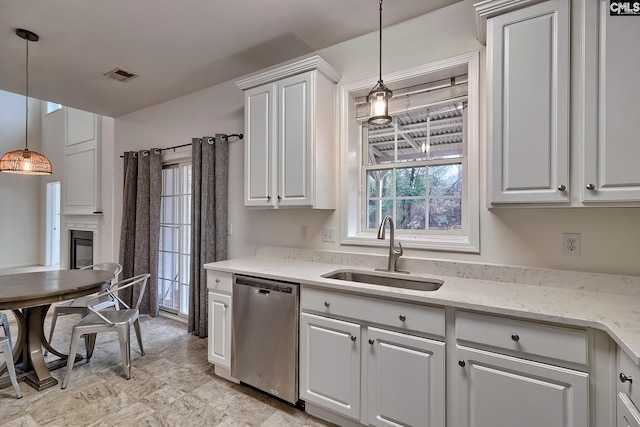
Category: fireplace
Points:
column 80, row 248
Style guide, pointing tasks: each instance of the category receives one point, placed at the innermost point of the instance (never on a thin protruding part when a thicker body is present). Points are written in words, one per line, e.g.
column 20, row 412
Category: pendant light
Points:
column 380, row 94
column 26, row 162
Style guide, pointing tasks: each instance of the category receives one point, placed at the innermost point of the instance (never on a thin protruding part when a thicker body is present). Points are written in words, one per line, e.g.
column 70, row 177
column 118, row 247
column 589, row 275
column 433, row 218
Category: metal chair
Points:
column 5, row 326
column 79, row 305
column 119, row 321
column 5, row 347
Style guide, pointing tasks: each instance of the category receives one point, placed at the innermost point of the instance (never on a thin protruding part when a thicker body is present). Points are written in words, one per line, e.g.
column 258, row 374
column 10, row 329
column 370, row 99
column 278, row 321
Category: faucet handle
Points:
column 400, row 251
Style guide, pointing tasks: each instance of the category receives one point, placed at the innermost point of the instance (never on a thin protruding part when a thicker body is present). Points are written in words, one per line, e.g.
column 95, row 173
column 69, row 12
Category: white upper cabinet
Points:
column 290, row 136
column 81, row 186
column 528, row 104
column 612, row 112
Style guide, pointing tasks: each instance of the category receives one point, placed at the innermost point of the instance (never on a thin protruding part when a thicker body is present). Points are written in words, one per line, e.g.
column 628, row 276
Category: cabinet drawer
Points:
column 524, row 337
column 627, row 413
column 219, row 281
column 404, row 316
column 629, row 369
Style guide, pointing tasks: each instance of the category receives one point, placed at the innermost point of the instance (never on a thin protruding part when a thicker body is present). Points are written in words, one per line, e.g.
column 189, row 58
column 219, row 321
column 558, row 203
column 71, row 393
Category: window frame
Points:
column 352, row 189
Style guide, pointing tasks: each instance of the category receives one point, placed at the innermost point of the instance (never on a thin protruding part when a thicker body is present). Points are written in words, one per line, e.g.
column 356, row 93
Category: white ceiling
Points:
column 176, row 47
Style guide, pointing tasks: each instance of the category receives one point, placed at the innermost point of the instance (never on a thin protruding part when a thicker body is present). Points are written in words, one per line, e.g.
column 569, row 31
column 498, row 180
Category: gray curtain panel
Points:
column 209, row 196
column 140, row 232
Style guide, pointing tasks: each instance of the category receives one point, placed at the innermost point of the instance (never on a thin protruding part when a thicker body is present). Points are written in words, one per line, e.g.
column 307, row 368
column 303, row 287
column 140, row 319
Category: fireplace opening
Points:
column 81, row 249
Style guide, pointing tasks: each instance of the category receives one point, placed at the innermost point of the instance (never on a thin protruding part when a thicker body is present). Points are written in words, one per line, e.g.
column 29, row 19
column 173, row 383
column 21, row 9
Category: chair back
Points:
column 113, row 267
column 140, row 280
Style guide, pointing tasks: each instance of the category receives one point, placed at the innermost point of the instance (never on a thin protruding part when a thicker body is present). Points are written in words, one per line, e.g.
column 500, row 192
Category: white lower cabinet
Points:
column 330, row 363
column 628, row 415
column 499, row 390
column 628, row 391
column 405, row 379
column 220, row 329
column 369, row 374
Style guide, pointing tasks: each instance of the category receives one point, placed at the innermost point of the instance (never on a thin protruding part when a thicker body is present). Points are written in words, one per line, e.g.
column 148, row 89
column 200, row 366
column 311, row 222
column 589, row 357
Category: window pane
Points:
column 445, row 180
column 381, row 144
column 410, row 182
column 410, row 214
column 376, row 210
column 380, row 183
column 445, row 214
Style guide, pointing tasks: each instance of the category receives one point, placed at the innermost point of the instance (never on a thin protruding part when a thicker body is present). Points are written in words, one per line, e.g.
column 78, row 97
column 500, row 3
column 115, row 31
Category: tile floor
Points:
column 172, row 385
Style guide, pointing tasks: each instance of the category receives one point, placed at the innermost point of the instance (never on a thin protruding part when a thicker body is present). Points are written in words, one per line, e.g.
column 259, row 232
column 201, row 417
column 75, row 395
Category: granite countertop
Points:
column 617, row 315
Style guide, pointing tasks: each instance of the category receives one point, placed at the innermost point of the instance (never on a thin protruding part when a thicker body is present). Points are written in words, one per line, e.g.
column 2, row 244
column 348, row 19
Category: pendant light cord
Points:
column 26, row 99
column 380, row 77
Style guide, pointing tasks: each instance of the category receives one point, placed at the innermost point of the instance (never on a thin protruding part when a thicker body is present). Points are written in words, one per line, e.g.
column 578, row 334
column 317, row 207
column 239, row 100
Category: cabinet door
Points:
column 528, row 111
column 259, row 154
column 405, row 380
column 497, row 390
column 220, row 329
column 295, row 140
column 612, row 115
column 330, row 364
column 628, row 415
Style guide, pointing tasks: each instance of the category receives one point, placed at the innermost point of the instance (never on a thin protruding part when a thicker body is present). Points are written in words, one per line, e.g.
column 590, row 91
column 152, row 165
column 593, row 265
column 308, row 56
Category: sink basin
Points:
column 387, row 279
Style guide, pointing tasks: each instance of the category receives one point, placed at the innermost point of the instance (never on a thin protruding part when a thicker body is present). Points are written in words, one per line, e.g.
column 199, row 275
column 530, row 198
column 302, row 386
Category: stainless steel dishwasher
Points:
column 264, row 343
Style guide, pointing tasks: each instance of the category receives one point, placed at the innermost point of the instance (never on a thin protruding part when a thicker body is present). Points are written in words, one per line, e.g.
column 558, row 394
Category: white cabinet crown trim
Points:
column 282, row 71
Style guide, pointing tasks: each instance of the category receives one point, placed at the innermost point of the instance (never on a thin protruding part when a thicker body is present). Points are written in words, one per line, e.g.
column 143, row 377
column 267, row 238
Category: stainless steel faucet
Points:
column 394, row 253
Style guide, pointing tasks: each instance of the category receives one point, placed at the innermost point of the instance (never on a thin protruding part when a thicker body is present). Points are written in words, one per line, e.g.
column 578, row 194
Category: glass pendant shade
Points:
column 379, row 104
column 25, row 162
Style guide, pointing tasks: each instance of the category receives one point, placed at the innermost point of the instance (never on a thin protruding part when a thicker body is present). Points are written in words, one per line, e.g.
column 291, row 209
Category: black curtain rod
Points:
column 233, row 135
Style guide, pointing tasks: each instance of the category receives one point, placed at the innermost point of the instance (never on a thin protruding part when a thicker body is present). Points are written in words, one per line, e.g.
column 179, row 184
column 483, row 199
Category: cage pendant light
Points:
column 380, row 94
column 26, row 162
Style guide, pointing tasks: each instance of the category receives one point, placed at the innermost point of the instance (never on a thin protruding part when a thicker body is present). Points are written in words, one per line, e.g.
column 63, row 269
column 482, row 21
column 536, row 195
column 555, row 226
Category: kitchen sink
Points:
column 403, row 281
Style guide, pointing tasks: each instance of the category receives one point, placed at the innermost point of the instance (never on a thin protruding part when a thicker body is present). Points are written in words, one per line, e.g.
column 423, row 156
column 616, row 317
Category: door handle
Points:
column 264, row 291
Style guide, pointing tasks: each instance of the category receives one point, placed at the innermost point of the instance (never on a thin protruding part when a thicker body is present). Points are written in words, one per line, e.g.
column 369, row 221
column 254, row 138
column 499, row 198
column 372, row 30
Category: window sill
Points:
column 433, row 243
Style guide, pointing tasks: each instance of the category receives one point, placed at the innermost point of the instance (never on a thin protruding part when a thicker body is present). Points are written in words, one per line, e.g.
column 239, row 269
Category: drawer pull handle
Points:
column 402, row 317
column 327, row 304
column 624, row 378
column 353, row 338
column 515, row 337
column 462, row 363
column 371, row 341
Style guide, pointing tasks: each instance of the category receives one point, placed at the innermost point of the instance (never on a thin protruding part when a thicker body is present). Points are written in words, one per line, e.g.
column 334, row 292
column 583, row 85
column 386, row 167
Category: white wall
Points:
column 21, row 232
column 528, row 237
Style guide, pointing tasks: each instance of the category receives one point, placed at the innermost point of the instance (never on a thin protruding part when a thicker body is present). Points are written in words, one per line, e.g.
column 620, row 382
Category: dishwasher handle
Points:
column 264, row 292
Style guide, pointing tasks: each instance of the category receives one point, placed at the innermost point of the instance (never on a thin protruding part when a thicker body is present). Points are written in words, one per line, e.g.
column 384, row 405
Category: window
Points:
column 175, row 238
column 53, row 107
column 422, row 168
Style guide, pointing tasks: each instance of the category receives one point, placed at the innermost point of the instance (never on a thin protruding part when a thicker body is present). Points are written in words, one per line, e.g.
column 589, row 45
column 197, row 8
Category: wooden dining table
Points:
column 29, row 296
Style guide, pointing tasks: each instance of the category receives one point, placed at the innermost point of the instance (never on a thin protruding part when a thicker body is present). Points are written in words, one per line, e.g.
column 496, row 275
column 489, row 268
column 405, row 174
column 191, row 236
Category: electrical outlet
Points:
column 328, row 234
column 229, row 229
column 571, row 244
column 303, row 232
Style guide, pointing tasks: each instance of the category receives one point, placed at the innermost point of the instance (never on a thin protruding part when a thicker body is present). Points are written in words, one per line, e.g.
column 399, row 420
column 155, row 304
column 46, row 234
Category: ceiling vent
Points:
column 120, row 75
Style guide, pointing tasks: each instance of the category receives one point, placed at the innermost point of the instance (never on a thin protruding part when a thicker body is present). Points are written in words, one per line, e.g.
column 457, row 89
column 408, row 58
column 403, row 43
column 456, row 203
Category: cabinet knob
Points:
column 226, row 305
column 625, row 379
column 268, row 197
column 279, row 198
column 462, row 363
column 402, row 317
column 217, row 280
column 591, row 187
column 562, row 187
column 353, row 338
column 371, row 341
column 327, row 304
column 515, row 337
